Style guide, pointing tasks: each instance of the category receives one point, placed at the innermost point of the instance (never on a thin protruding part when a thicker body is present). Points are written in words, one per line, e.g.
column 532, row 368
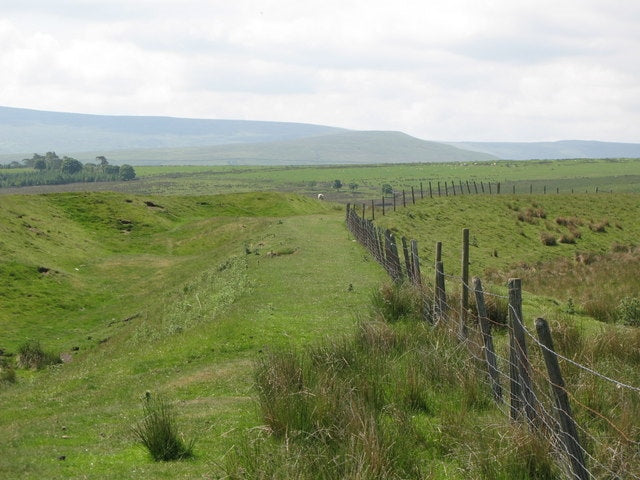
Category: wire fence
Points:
column 582, row 397
column 393, row 200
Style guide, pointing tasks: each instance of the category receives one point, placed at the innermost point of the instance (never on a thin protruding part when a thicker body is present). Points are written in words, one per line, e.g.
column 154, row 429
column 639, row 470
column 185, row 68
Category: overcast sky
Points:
column 502, row 70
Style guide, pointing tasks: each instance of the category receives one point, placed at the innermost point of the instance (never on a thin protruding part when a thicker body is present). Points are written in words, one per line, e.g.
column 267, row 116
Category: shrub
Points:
column 157, row 431
column 32, row 355
column 599, row 227
column 548, row 239
column 628, row 311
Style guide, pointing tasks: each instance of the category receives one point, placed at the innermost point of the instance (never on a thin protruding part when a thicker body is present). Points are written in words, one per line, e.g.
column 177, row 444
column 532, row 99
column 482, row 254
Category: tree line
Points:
column 50, row 169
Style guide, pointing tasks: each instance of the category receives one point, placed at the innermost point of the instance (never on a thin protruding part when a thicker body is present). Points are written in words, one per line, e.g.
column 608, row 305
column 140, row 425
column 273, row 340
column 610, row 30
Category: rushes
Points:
column 158, row 433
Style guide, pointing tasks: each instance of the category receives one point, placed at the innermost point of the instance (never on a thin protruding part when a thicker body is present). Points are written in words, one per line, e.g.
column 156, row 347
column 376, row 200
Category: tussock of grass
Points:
column 32, row 355
column 158, row 432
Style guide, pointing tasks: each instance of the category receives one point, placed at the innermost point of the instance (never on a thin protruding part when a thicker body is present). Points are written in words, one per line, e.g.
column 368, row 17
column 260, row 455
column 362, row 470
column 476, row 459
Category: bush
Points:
column 628, row 311
column 32, row 355
column 157, row 431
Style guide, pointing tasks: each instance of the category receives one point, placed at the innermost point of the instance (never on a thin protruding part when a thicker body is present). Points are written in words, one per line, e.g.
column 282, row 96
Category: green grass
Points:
column 619, row 175
column 176, row 306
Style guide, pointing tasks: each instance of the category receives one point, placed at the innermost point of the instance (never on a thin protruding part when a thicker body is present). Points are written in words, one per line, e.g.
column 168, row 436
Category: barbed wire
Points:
column 384, row 248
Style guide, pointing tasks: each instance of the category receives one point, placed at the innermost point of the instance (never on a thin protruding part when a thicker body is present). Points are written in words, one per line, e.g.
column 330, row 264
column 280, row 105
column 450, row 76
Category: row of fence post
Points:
column 444, row 189
column 522, row 400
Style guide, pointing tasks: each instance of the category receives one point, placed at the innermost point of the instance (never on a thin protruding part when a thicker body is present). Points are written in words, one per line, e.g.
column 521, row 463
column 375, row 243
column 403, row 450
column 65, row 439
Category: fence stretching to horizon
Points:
column 590, row 419
column 436, row 189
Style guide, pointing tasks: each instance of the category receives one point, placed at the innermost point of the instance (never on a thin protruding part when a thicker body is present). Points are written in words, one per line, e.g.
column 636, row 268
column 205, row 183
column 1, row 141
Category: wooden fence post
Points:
column 415, row 261
column 475, row 186
column 439, row 194
column 482, row 186
column 523, row 367
column 531, row 188
column 394, row 201
column 393, row 259
column 413, row 196
column 373, row 210
column 490, row 192
column 461, row 187
column 487, row 338
column 468, row 187
column 383, row 205
column 464, row 294
column 407, row 259
column 498, row 188
column 569, row 432
column 440, row 303
column 430, row 190
column 421, row 192
column 363, row 207
column 404, row 199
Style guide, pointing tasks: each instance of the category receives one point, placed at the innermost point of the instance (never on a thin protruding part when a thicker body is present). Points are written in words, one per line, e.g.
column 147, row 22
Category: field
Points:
column 183, row 281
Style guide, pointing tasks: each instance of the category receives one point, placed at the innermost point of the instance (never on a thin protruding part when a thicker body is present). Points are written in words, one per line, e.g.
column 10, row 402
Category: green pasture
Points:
column 565, row 176
column 178, row 282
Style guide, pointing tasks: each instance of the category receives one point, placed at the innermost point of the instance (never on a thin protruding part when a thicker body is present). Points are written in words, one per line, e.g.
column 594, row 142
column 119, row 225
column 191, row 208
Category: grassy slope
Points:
column 205, row 308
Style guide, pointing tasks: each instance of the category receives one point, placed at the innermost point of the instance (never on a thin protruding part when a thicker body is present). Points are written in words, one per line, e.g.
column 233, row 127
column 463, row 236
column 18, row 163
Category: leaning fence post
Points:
column 489, row 352
column 563, row 408
column 464, row 297
column 521, row 357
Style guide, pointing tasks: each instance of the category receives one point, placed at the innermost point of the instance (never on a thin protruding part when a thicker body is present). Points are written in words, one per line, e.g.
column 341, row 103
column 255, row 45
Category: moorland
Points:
column 194, row 283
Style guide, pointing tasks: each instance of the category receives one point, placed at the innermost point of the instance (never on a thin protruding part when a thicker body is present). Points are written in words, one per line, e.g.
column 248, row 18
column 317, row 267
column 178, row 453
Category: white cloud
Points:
column 442, row 70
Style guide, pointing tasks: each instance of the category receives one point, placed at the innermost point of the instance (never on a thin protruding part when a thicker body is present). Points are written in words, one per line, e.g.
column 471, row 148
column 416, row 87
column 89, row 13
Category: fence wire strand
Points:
column 610, row 453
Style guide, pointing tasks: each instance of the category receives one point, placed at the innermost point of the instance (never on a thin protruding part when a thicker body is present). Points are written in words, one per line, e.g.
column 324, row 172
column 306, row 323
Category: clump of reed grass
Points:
column 158, row 431
column 548, row 239
column 32, row 355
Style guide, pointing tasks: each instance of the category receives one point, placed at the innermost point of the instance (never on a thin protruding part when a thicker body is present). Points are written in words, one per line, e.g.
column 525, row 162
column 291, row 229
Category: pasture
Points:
column 179, row 283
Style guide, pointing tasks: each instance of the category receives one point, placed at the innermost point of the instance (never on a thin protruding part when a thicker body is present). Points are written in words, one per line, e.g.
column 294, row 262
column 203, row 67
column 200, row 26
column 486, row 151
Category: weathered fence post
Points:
column 490, row 192
column 446, row 189
column 413, row 196
column 544, row 190
column 439, row 194
column 394, row 201
column 487, row 338
column 468, row 187
column 430, row 190
column 475, row 186
column 373, row 210
column 461, row 187
column 415, row 261
column 407, row 259
column 464, row 294
column 421, row 192
column 404, row 199
column 383, row 205
column 514, row 189
column 482, row 186
column 363, row 207
column 563, row 408
column 498, row 189
column 393, row 259
column 531, row 188
column 521, row 357
column 441, row 296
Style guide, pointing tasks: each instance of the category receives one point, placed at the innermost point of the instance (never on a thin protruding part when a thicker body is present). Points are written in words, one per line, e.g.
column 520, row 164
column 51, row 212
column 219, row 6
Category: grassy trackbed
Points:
column 179, row 299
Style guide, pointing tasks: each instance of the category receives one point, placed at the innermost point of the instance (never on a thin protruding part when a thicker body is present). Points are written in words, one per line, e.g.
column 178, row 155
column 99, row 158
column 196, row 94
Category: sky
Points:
column 444, row 70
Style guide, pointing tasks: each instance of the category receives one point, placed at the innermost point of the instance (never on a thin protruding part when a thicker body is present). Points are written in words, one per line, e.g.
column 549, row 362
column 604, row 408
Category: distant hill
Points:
column 167, row 140
column 553, row 150
column 350, row 147
column 24, row 131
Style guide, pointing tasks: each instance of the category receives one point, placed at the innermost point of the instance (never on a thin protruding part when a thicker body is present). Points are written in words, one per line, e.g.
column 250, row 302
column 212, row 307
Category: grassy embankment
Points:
column 178, row 298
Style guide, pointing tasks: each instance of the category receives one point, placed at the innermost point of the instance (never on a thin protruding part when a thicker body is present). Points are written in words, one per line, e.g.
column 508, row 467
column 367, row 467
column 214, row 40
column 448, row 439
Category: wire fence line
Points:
column 392, row 200
column 590, row 418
